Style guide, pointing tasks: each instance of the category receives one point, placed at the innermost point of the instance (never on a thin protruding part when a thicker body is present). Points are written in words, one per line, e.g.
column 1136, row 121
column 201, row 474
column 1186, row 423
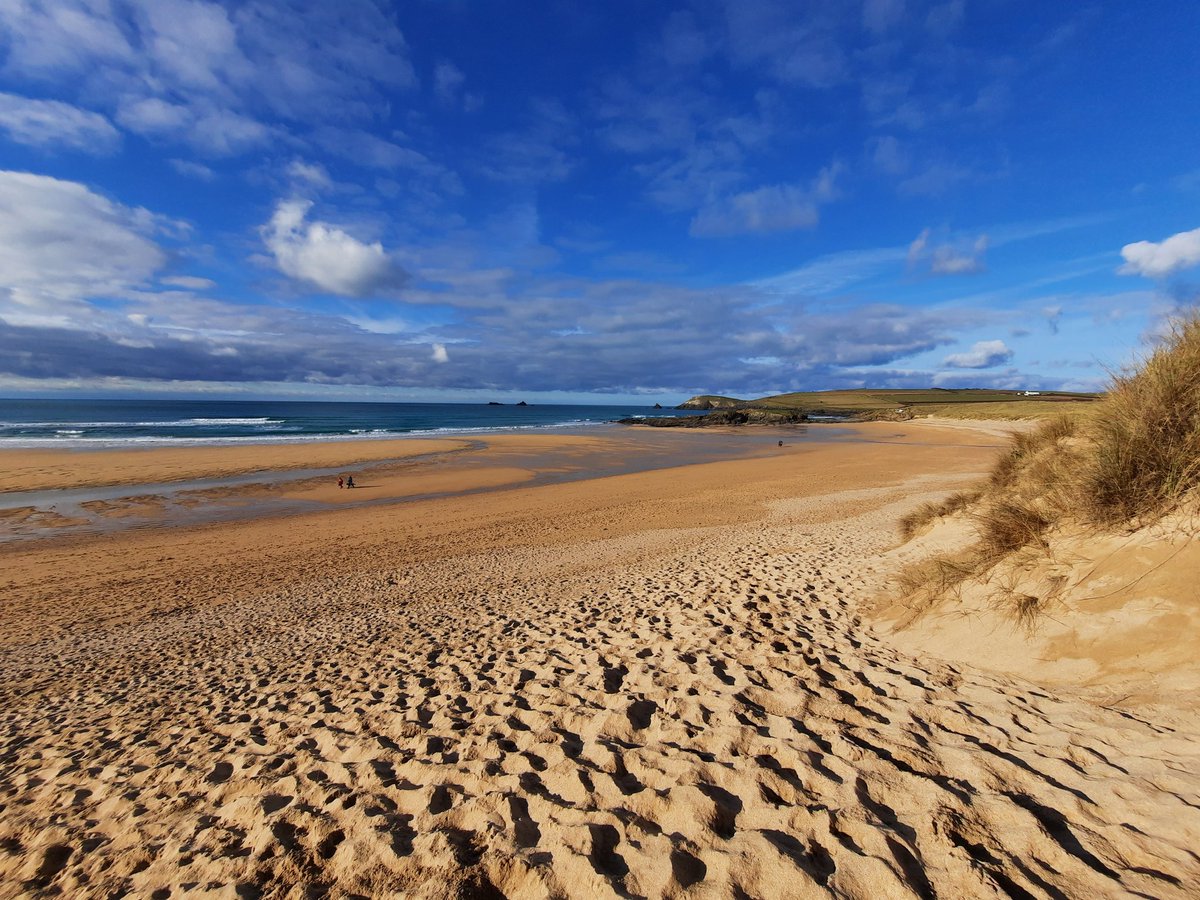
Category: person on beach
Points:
column 341, row 483
column 350, row 482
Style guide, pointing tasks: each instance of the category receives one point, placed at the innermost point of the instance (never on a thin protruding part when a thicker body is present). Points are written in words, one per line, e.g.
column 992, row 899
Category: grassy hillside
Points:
column 966, row 404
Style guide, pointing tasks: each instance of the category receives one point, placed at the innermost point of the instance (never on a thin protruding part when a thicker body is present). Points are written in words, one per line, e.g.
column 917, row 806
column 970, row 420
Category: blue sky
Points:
column 590, row 201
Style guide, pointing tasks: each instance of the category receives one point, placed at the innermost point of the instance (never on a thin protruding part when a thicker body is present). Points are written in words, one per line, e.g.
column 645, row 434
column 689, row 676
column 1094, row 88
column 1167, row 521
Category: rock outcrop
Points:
column 722, row 417
column 710, row 401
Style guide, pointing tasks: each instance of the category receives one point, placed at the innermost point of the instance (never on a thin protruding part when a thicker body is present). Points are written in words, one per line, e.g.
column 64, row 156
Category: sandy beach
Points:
column 662, row 683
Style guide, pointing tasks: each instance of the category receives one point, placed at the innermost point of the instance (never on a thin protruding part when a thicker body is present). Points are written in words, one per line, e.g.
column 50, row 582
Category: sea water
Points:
column 116, row 423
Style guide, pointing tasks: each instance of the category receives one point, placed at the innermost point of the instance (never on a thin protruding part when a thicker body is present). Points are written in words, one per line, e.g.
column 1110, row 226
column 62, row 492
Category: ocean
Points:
column 117, row 423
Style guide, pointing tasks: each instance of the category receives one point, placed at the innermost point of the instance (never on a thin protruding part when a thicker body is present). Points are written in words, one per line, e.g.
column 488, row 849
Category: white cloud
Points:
column 833, row 272
column 150, row 115
column 61, row 243
column 311, row 175
column 889, row 155
column 210, row 128
column 217, row 76
column 439, row 353
column 62, row 38
column 189, row 282
column 982, row 355
column 193, row 169
column 779, row 207
column 916, row 250
column 326, row 256
column 1179, row 251
column 947, row 260
column 50, row 123
column 956, row 258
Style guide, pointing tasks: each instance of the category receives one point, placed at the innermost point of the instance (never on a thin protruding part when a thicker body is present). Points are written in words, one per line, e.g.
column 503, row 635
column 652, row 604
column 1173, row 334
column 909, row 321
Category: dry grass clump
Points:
column 935, row 578
column 927, row 512
column 1135, row 458
column 1008, row 525
column 1147, row 442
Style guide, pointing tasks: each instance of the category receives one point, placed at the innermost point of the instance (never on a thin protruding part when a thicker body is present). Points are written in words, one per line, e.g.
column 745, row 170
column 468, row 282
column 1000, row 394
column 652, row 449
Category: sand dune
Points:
column 649, row 686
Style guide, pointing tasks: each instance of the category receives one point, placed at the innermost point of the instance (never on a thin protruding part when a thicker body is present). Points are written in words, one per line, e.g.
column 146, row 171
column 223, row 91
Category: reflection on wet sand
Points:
column 87, row 493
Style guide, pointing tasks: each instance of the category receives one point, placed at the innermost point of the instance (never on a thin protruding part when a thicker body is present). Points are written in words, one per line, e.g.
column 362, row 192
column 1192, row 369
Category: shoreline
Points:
column 110, row 489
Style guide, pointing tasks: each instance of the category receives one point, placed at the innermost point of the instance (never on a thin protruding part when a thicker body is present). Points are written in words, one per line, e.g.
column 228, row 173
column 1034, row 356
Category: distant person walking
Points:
column 350, row 482
column 341, row 483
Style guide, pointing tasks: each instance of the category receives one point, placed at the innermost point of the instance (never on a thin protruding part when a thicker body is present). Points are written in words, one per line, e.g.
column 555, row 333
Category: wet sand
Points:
column 648, row 684
column 52, row 493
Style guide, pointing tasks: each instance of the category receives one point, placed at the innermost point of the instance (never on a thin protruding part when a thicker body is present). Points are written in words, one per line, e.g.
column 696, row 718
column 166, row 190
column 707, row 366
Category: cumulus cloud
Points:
column 780, row 207
column 61, row 242
column 982, row 355
column 1179, row 251
column 439, row 353
column 327, row 257
column 51, row 124
column 956, row 258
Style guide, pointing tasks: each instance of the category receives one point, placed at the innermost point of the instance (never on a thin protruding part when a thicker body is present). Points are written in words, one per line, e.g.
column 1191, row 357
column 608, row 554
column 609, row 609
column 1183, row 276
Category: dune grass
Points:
column 927, row 512
column 1134, row 457
column 1147, row 444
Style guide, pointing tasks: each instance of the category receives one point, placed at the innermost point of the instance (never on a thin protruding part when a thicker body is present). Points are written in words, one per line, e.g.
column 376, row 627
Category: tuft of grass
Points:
column 927, row 512
column 1008, row 525
column 934, row 578
column 1029, row 448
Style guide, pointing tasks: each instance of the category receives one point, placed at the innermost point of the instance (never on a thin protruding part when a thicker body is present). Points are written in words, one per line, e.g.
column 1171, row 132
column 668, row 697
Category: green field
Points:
column 961, row 404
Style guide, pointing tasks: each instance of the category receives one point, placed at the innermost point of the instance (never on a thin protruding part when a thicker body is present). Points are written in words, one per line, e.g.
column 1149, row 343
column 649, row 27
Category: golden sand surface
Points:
column 656, row 684
column 54, row 469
